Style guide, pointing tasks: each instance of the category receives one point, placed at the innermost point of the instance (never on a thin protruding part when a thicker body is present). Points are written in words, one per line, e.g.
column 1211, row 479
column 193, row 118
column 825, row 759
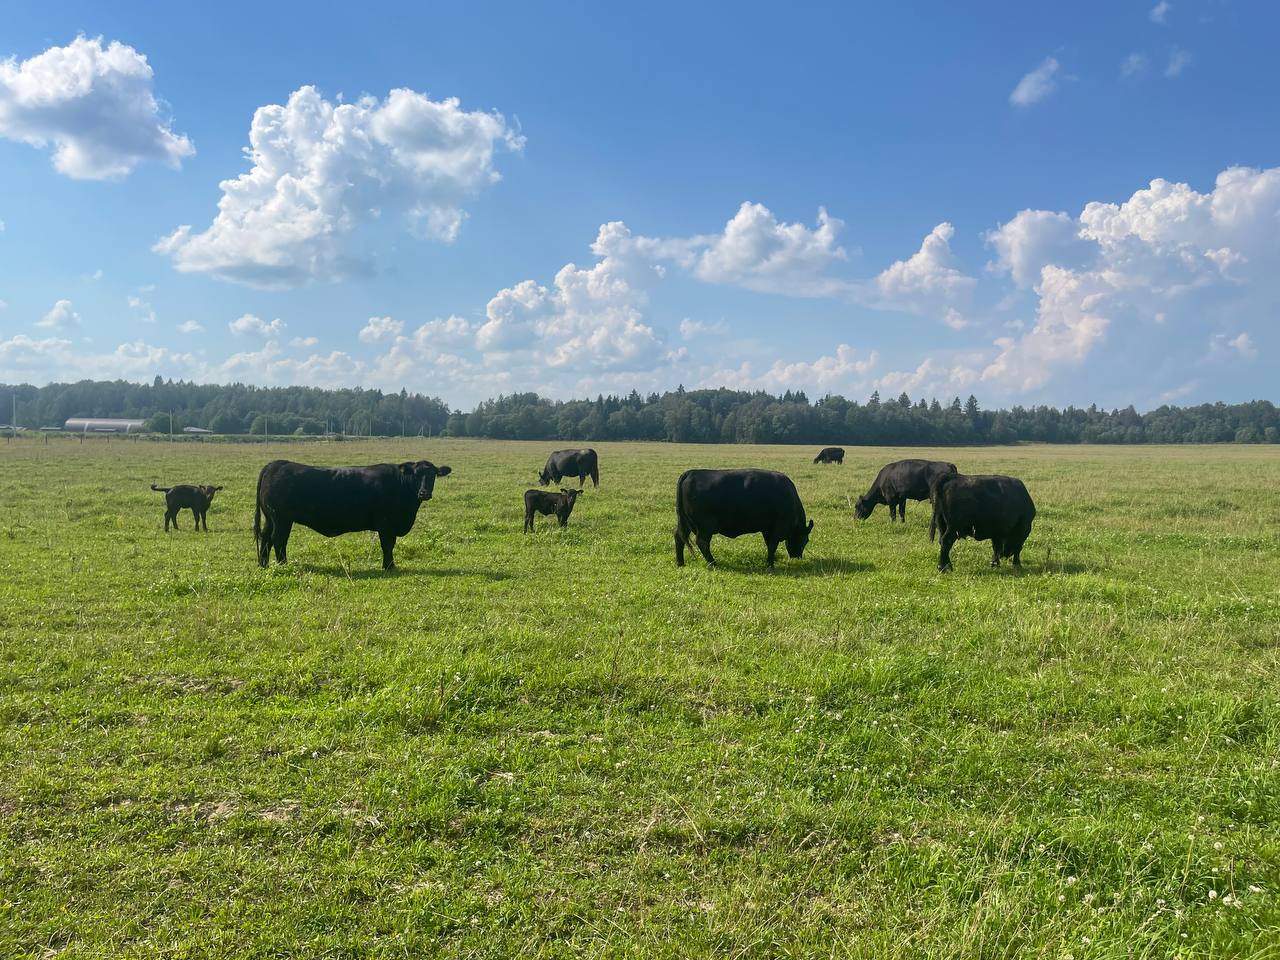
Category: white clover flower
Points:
column 1213, row 894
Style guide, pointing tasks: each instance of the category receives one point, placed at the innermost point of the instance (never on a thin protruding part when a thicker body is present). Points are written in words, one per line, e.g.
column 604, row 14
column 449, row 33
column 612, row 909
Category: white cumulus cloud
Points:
column 190, row 326
column 94, row 106
column 759, row 252
column 62, row 316
column 321, row 171
column 1160, row 12
column 250, row 324
column 379, row 329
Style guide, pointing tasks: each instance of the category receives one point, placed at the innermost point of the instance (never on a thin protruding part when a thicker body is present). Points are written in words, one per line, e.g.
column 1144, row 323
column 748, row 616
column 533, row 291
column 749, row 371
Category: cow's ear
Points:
column 443, row 471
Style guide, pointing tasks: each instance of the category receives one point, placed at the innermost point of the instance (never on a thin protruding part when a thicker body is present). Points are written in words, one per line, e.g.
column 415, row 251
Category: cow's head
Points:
column 209, row 492
column 544, row 477
column 798, row 540
column 421, row 476
column 567, row 499
column 863, row 506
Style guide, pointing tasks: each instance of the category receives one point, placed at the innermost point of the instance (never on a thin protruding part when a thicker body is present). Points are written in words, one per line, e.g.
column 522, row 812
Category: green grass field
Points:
column 562, row 745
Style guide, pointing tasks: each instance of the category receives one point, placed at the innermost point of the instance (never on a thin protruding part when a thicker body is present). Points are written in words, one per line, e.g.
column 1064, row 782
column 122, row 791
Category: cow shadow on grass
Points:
column 817, row 567
column 377, row 573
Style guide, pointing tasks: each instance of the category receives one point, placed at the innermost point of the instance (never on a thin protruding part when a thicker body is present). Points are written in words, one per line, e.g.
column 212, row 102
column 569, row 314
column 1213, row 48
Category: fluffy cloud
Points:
column 93, row 105
column 759, row 252
column 62, row 316
column 842, row 370
column 1037, row 84
column 379, row 329
column 1163, row 263
column 322, row 171
column 26, row 358
column 929, row 279
column 190, row 326
column 693, row 329
column 1160, row 12
column 589, row 318
column 1033, row 239
column 249, row 324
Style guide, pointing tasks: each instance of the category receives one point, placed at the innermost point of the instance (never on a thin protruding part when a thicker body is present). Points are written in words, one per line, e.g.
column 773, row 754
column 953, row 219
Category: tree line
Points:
column 683, row 416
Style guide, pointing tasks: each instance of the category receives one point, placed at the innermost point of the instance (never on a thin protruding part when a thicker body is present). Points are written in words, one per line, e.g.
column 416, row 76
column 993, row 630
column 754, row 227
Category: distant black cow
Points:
column 184, row 496
column 898, row 482
column 733, row 502
column 331, row 501
column 539, row 501
column 571, row 463
column 830, row 455
column 992, row 508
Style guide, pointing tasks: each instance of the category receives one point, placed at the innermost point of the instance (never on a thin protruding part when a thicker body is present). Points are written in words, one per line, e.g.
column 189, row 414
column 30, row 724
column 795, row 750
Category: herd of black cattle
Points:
column 384, row 498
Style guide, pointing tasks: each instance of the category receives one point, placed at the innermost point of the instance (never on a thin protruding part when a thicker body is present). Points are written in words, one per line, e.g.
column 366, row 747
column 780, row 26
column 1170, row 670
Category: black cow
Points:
column 332, row 501
column 992, row 508
column 734, row 502
column 898, row 482
column 571, row 463
column 830, row 455
column 195, row 497
column 539, row 501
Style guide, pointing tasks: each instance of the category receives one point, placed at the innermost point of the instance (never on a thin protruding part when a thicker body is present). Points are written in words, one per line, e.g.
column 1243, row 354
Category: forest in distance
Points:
column 678, row 416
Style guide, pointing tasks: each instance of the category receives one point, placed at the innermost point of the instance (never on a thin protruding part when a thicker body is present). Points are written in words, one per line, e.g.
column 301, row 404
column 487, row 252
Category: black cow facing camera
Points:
column 384, row 497
column 539, row 501
column 186, row 496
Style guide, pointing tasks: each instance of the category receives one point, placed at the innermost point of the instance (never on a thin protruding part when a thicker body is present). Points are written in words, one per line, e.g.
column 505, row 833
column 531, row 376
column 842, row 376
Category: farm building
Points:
column 195, row 430
column 103, row 425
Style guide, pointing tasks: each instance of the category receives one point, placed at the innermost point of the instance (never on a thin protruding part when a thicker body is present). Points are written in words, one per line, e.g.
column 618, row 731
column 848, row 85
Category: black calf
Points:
column 539, row 501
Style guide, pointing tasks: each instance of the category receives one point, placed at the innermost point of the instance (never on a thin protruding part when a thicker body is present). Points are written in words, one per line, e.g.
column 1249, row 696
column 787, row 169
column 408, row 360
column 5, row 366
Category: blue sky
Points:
column 1029, row 202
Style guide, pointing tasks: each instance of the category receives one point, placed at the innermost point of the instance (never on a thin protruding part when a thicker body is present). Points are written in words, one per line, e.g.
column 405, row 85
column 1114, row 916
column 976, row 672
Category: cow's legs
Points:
column 704, row 547
column 388, row 541
column 681, row 537
column 902, row 510
column 168, row 517
column 582, row 480
column 772, row 547
column 528, row 520
column 174, row 518
column 281, row 540
column 996, row 550
column 944, row 556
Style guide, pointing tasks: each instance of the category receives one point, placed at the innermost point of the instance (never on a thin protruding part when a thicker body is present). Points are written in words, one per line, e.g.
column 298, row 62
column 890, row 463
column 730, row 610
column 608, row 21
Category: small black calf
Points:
column 539, row 501
column 186, row 496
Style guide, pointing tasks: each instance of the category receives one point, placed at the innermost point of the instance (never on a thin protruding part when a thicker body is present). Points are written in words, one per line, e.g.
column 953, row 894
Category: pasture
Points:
column 559, row 744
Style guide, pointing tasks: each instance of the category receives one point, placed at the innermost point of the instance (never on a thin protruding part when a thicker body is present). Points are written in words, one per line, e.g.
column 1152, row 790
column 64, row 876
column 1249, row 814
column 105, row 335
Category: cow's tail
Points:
column 160, row 489
column 935, row 500
column 257, row 516
column 683, row 523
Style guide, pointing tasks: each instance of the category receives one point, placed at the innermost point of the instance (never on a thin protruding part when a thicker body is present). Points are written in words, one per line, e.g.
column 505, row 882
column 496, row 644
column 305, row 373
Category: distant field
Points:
column 561, row 744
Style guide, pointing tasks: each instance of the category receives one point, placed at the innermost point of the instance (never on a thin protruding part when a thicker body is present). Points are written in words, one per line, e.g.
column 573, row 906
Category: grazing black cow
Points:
column 734, row 502
column 992, row 508
column 195, row 497
column 830, row 455
column 571, row 463
column 539, row 501
column 332, row 501
column 898, row 482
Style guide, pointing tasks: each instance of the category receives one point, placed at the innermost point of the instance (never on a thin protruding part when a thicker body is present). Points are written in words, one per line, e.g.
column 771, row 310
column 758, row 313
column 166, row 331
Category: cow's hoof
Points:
column 944, row 568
